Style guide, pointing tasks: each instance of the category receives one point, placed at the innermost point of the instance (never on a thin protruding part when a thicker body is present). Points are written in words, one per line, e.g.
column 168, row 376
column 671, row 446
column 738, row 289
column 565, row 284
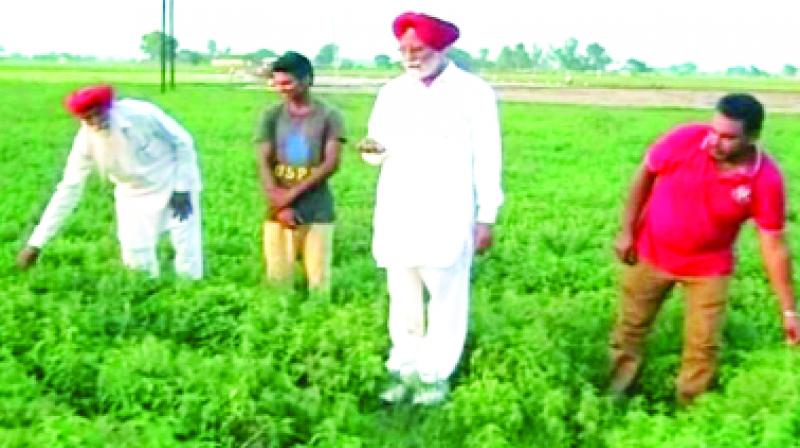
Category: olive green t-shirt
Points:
column 299, row 147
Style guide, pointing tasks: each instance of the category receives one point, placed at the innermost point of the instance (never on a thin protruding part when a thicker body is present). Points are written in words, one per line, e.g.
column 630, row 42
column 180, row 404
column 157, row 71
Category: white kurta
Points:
column 441, row 170
column 147, row 156
column 440, row 174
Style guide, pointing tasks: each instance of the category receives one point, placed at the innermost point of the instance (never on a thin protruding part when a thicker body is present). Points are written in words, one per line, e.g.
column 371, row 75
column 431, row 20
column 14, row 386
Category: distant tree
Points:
column 788, row 69
column 383, row 61
column 326, row 56
column 62, row 57
column 521, row 58
column 212, row 48
column 538, row 58
column 737, row 71
column 687, row 68
column 461, row 58
column 46, row 57
column 745, row 71
column 483, row 58
column 636, row 66
column 568, row 57
column 260, row 54
column 151, row 44
column 191, row 57
column 596, row 57
column 505, row 60
column 347, row 64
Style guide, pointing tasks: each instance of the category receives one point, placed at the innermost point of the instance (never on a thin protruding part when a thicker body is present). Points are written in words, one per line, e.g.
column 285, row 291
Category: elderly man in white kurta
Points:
column 435, row 131
column 151, row 161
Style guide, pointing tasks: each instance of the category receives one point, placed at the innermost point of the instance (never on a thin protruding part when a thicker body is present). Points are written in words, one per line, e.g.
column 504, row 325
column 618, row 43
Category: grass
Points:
column 94, row 355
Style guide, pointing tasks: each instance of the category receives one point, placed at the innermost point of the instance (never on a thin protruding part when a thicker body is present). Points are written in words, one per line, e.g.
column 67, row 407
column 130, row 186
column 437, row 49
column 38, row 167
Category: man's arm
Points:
column 379, row 127
column 264, row 157
column 777, row 263
column 487, row 167
column 68, row 192
column 639, row 192
column 183, row 145
column 265, row 161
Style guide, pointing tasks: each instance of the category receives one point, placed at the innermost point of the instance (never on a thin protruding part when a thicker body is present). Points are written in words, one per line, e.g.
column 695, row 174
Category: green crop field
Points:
column 93, row 355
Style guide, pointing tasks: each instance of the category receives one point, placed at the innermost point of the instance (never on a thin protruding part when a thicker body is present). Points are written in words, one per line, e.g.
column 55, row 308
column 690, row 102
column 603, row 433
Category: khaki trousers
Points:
column 644, row 289
column 282, row 246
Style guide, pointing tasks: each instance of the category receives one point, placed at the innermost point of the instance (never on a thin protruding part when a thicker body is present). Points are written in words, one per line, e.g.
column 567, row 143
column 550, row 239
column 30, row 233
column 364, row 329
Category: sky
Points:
column 714, row 34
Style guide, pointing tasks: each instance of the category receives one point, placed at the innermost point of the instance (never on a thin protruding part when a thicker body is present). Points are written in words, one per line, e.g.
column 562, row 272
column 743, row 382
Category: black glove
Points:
column 181, row 205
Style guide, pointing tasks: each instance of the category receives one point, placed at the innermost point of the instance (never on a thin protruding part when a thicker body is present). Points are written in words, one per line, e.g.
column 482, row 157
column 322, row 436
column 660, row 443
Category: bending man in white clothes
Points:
column 435, row 131
column 152, row 162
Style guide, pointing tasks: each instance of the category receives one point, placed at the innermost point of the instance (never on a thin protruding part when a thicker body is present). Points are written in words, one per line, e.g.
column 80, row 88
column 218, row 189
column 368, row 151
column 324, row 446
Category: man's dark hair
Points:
column 294, row 64
column 743, row 107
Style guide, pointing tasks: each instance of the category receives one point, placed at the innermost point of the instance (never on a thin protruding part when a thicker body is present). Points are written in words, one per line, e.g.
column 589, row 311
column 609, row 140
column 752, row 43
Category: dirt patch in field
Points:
column 701, row 99
column 773, row 101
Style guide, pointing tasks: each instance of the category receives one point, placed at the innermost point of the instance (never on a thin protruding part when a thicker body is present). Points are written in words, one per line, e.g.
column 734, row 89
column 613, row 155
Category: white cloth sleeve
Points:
column 487, row 158
column 183, row 145
column 378, row 129
column 68, row 192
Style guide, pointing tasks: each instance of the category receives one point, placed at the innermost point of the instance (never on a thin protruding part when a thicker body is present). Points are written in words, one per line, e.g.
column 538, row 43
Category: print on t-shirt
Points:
column 296, row 148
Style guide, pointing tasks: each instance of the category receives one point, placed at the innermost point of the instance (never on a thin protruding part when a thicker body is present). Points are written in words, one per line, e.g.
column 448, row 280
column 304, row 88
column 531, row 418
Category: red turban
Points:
column 83, row 100
column 435, row 33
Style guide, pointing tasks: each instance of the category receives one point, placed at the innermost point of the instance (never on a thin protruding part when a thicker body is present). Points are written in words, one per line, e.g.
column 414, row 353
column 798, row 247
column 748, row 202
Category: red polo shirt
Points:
column 695, row 211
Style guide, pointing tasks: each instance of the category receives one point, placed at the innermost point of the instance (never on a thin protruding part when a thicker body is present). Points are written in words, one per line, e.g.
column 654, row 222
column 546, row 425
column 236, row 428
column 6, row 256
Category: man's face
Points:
column 287, row 85
column 96, row 118
column 419, row 59
column 728, row 140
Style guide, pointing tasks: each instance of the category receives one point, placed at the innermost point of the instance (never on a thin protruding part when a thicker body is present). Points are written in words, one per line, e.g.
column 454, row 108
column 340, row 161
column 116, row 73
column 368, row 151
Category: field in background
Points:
column 149, row 73
column 92, row 355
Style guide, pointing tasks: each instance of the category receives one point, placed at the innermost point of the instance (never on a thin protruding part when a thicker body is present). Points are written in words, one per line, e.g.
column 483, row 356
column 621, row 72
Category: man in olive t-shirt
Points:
column 298, row 143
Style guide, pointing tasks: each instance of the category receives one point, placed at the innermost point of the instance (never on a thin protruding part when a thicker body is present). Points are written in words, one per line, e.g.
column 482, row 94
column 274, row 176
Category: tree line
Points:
column 592, row 58
column 570, row 56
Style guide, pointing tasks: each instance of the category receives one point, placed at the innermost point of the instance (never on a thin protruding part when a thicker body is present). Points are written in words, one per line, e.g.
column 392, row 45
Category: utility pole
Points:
column 172, row 45
column 163, row 46
column 167, row 45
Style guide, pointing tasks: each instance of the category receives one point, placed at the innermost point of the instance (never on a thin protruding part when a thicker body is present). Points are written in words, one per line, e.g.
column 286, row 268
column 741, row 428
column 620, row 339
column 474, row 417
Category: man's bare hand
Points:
column 624, row 248
column 27, row 257
column 286, row 217
column 483, row 237
column 790, row 328
column 370, row 146
column 280, row 197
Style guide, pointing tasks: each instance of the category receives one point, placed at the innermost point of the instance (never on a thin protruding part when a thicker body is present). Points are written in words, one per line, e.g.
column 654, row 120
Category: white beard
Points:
column 416, row 73
column 426, row 70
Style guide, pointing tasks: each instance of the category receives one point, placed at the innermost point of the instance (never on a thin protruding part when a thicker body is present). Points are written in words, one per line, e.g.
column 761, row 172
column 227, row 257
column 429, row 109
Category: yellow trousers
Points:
column 644, row 289
column 283, row 246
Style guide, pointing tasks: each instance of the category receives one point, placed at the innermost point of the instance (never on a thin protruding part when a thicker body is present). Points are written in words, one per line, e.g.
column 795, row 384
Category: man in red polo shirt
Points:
column 696, row 187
